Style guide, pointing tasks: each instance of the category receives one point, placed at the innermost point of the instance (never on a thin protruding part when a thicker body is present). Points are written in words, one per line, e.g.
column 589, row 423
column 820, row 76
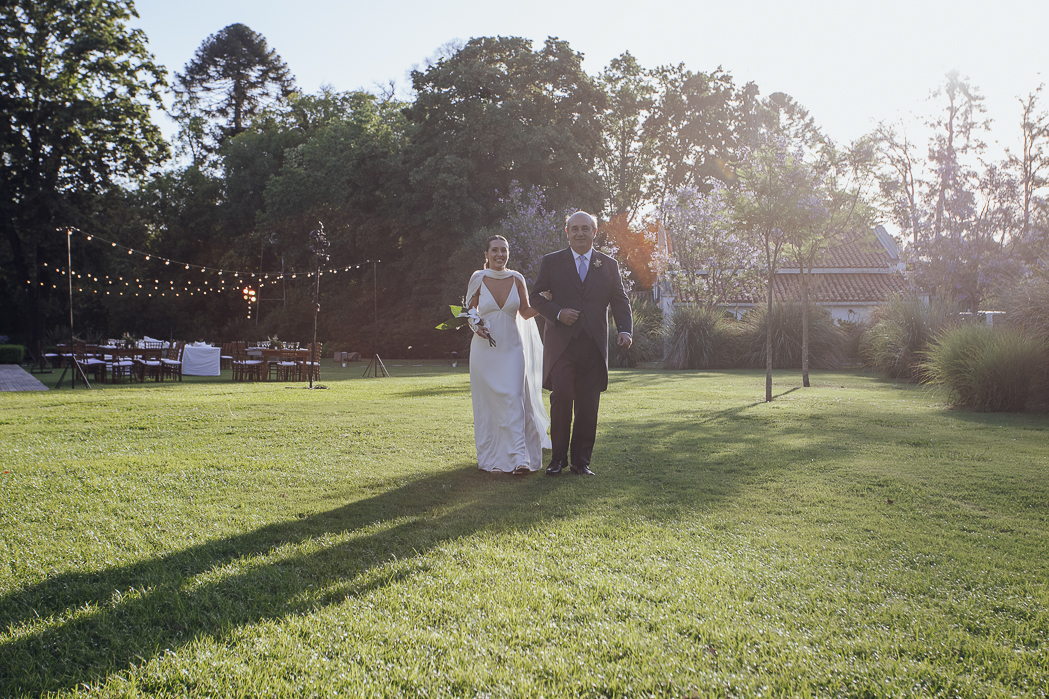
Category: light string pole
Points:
column 376, row 362
column 319, row 248
column 71, row 357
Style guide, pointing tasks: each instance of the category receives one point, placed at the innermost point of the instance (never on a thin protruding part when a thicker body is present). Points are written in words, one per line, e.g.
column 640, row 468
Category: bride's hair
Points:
column 488, row 244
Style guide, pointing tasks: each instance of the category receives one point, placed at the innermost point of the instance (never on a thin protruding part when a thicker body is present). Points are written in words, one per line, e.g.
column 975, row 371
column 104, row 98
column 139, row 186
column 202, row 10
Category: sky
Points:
column 850, row 64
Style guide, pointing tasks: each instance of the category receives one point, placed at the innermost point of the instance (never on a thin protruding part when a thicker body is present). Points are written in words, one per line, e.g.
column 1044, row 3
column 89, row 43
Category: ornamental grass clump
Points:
column 648, row 337
column 901, row 330
column 698, row 338
column 984, row 369
column 1026, row 307
column 826, row 340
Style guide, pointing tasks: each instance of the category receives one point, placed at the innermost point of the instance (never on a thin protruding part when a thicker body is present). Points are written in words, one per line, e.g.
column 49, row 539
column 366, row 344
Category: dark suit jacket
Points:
column 603, row 289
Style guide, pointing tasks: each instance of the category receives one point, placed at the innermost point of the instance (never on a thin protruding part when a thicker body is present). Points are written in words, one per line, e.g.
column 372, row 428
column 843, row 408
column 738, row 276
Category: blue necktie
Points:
column 582, row 268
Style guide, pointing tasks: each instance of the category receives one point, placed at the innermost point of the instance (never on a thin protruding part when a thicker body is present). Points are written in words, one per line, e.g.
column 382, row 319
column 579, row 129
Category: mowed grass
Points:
column 853, row 539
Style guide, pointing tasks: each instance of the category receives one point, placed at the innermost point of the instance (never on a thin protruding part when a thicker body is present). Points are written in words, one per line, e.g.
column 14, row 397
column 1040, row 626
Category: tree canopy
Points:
column 232, row 78
column 76, row 84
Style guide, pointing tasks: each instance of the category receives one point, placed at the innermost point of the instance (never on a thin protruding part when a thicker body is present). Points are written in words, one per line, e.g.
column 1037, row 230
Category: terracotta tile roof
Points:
column 858, row 287
column 857, row 256
column 861, row 288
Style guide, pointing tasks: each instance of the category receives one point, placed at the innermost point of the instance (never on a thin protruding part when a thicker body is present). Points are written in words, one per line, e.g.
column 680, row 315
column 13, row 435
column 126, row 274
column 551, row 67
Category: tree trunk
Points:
column 804, row 328
column 768, row 339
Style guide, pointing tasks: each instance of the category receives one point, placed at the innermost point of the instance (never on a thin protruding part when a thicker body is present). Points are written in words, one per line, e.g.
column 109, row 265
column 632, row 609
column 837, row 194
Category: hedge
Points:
column 11, row 354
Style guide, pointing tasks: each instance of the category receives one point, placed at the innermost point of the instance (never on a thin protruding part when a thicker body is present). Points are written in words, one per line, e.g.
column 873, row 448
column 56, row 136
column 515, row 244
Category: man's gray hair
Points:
column 593, row 221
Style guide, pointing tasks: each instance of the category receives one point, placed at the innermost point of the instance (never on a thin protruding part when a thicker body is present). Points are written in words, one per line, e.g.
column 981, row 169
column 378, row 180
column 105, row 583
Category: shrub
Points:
column 826, row 340
column 853, row 332
column 698, row 338
column 901, row 330
column 1026, row 307
column 985, row 369
column 12, row 354
column 648, row 337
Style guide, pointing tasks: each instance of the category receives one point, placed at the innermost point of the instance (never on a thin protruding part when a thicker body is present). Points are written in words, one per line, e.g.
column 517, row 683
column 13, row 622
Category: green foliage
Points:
column 699, row 337
column 76, row 86
column 827, row 341
column 648, row 336
column 901, row 331
column 985, row 369
column 12, row 354
column 496, row 112
column 232, row 78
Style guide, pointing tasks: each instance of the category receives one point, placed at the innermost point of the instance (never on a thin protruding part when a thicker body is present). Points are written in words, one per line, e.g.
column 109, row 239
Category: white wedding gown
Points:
column 510, row 420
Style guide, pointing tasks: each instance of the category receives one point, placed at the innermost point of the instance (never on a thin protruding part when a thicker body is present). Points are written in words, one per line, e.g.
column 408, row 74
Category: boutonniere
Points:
column 597, row 262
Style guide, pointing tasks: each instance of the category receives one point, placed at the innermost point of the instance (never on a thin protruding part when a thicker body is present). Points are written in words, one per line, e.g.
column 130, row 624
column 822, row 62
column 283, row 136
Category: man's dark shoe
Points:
column 582, row 471
column 555, row 467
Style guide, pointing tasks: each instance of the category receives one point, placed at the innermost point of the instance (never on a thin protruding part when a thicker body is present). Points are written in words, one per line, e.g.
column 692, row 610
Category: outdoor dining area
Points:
column 149, row 359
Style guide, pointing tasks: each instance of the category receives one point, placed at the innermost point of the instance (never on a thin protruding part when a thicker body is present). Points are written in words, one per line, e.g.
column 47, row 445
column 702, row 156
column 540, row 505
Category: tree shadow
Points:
column 168, row 606
column 78, row 628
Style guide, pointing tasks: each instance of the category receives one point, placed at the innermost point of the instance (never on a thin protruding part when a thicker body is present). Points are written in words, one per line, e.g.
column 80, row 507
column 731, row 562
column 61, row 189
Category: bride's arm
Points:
column 525, row 310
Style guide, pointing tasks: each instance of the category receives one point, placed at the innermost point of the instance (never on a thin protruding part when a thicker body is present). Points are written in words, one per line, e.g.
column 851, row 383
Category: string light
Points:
column 187, row 287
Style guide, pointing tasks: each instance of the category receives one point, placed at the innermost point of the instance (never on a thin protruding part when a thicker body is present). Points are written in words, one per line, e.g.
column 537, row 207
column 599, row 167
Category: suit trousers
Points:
column 575, row 383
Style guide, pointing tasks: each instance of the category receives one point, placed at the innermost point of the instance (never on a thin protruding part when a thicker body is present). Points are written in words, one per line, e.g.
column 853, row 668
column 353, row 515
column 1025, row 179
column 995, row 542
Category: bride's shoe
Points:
column 522, row 471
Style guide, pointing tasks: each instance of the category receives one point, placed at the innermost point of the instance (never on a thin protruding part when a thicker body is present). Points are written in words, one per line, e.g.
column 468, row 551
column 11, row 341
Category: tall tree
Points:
column 626, row 163
column 697, row 124
column 76, row 84
column 838, row 213
column 497, row 112
column 772, row 203
column 232, row 78
column 1032, row 168
column 899, row 182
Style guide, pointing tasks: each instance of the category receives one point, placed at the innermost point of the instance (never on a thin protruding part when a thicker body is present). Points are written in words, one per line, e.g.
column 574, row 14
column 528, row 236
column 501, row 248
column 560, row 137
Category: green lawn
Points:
column 853, row 539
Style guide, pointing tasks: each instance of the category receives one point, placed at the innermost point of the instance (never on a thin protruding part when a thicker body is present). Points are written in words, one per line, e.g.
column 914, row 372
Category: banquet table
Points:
column 201, row 360
column 110, row 353
column 269, row 356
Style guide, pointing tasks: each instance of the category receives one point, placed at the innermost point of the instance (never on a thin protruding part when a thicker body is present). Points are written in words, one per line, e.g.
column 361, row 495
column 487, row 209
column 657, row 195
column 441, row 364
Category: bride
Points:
column 510, row 420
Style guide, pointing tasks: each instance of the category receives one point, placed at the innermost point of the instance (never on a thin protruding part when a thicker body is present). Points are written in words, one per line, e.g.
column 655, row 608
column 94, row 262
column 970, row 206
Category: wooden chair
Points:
column 150, row 367
column 226, row 357
column 287, row 368
column 173, row 361
column 89, row 361
column 121, row 368
column 245, row 368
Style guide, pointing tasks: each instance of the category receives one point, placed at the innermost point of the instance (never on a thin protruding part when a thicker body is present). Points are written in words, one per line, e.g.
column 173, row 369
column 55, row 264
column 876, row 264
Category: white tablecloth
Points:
column 201, row 361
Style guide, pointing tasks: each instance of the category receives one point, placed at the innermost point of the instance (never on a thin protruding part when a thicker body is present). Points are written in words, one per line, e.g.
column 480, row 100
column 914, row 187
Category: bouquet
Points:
column 461, row 316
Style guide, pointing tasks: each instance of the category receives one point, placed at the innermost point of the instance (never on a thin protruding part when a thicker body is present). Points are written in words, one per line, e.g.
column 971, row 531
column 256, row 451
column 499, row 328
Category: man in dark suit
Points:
column 583, row 283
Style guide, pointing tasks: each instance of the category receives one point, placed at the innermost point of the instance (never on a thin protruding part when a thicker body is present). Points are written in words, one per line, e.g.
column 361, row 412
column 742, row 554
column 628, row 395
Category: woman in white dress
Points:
column 510, row 420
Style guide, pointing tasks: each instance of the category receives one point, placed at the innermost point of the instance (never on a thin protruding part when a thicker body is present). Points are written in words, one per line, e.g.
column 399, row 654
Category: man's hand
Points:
column 568, row 316
column 625, row 340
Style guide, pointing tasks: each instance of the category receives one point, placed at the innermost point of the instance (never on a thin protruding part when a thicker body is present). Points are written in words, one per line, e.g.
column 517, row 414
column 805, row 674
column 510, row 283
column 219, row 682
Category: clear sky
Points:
column 850, row 64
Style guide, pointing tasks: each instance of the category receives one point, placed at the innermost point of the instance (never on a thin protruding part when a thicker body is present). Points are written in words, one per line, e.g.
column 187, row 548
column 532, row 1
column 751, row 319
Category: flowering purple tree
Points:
column 533, row 230
column 712, row 260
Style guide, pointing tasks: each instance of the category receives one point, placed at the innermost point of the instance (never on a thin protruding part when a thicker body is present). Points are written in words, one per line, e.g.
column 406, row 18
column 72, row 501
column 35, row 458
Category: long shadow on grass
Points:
column 99, row 623
column 102, row 622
